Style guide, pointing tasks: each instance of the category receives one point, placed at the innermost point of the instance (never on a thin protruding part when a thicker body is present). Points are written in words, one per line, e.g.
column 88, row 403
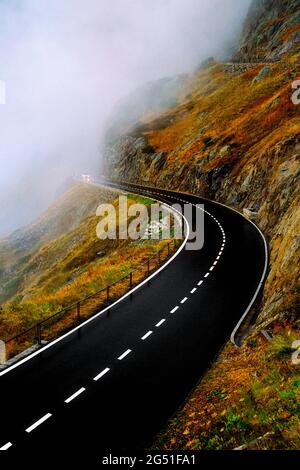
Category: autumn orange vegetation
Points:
column 248, row 394
column 62, row 271
column 238, row 109
column 287, row 34
column 229, row 118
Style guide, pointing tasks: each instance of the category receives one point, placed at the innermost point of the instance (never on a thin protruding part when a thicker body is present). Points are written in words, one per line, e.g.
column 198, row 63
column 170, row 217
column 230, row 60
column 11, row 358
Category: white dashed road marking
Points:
column 38, row 423
column 75, row 395
column 101, row 374
column 146, row 335
column 124, row 354
column 149, row 333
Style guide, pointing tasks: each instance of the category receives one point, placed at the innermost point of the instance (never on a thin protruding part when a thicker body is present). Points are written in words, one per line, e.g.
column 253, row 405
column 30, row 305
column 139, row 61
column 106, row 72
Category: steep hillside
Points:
column 154, row 97
column 67, row 261
column 234, row 137
column 65, row 215
column 272, row 29
column 248, row 400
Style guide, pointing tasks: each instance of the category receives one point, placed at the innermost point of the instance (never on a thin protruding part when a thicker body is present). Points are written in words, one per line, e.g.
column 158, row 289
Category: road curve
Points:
column 115, row 382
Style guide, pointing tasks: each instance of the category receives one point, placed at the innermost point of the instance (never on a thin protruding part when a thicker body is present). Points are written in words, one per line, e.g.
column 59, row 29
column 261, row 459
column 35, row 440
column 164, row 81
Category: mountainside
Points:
column 31, row 251
column 272, row 29
column 153, row 97
column 234, row 137
column 59, row 259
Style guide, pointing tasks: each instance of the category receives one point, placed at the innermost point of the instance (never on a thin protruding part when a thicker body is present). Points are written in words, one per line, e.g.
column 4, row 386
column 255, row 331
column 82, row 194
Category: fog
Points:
column 66, row 63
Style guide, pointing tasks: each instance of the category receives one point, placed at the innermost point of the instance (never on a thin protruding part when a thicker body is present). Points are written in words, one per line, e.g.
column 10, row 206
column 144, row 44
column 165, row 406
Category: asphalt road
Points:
column 132, row 401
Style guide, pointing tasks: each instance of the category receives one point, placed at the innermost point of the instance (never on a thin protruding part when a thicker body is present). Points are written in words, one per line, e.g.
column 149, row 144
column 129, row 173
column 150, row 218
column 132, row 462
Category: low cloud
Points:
column 67, row 63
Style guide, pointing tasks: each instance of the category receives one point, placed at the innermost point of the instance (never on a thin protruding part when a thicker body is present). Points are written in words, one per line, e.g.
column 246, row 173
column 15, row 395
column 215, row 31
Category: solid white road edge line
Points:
column 262, row 279
column 129, row 293
column 38, row 423
column 75, row 395
column 263, row 276
column 101, row 374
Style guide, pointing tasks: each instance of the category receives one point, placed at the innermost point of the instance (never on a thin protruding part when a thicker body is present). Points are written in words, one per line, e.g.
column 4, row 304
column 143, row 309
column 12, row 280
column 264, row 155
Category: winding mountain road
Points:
column 116, row 381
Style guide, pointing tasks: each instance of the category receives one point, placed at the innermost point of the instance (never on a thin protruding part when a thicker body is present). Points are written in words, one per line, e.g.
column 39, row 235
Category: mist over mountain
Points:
column 67, row 64
column 234, row 136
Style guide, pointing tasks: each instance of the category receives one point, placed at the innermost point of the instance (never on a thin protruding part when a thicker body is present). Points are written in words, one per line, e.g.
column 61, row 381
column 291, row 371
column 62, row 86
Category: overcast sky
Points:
column 67, row 62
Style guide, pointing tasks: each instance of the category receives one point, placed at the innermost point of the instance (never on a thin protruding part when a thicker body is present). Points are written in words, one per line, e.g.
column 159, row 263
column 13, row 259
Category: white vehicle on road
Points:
column 86, row 178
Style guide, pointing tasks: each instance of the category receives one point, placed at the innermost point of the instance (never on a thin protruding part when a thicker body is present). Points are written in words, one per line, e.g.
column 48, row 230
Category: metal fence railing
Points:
column 73, row 315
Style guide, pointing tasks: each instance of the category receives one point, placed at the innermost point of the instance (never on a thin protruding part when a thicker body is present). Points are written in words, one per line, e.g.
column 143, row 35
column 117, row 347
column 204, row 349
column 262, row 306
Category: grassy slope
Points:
column 18, row 253
column 74, row 264
column 247, row 394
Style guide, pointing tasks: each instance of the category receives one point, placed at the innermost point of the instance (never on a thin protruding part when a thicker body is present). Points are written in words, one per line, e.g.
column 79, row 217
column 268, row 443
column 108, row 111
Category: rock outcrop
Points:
column 272, row 29
column 234, row 136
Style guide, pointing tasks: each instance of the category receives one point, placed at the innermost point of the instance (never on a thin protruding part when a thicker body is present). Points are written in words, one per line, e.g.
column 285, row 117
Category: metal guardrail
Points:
column 73, row 315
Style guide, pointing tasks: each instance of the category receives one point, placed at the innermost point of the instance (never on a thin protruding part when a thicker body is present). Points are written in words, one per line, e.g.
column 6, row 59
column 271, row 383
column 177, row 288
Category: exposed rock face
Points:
column 235, row 137
column 270, row 183
column 153, row 97
column 272, row 29
column 129, row 155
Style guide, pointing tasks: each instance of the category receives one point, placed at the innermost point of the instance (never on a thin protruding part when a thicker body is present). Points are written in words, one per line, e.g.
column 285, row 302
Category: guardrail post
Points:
column 39, row 333
column 78, row 312
column 2, row 352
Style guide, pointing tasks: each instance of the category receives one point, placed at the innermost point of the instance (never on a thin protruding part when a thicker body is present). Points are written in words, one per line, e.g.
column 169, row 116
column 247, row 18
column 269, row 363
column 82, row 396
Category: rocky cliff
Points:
column 272, row 29
column 234, row 136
